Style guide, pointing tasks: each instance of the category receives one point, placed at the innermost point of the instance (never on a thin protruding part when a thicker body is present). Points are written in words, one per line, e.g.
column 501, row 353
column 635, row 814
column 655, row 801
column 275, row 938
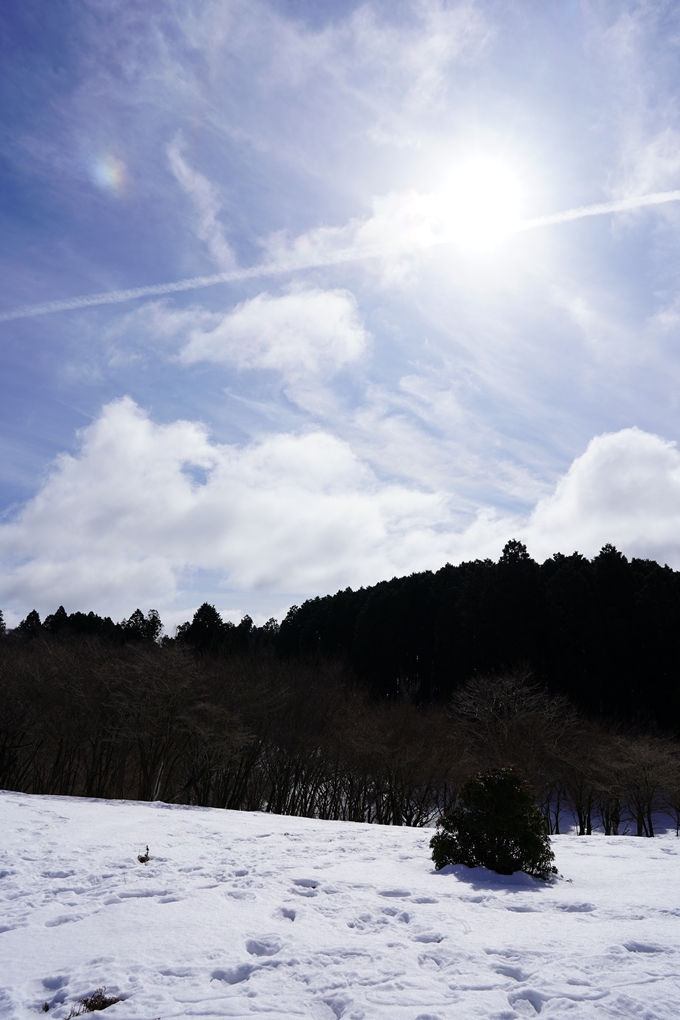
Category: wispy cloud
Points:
column 411, row 227
column 207, row 205
column 306, row 336
column 354, row 333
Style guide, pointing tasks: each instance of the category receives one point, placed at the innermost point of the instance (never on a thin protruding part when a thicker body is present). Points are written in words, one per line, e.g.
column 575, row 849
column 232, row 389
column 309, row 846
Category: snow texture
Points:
column 239, row 914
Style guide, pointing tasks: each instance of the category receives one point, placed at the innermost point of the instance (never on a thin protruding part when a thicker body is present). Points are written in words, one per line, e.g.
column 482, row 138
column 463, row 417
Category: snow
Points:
column 240, row 914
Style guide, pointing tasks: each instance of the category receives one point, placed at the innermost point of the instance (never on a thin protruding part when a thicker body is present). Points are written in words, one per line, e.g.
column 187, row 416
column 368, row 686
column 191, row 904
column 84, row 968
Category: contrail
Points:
column 114, row 297
column 601, row 209
column 353, row 254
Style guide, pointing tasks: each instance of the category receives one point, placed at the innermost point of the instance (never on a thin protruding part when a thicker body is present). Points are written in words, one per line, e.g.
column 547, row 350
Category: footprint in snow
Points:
column 52, row 984
column 266, row 945
column 512, row 972
column 643, row 947
column 428, row 936
column 402, row 915
column 397, row 893
column 305, row 886
column 233, row 975
column 286, row 912
column 527, row 1002
column 63, row 919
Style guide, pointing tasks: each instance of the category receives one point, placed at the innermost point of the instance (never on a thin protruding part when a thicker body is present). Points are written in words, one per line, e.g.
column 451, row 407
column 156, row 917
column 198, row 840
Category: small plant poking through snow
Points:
column 495, row 825
column 98, row 1000
column 144, row 858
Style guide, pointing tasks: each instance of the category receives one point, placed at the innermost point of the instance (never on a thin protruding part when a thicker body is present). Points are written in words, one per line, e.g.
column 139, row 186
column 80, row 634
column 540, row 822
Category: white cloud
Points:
column 207, row 205
column 124, row 518
column 143, row 506
column 651, row 164
column 625, row 489
column 391, row 63
column 307, row 336
column 307, row 332
column 401, row 225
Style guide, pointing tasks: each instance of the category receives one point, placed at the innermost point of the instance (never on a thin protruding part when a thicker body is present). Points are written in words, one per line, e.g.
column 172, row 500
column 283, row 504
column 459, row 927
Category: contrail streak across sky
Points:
column 601, row 209
column 351, row 254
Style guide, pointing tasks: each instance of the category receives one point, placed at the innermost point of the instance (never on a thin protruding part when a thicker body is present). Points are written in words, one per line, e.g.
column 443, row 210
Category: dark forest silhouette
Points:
column 372, row 705
column 605, row 631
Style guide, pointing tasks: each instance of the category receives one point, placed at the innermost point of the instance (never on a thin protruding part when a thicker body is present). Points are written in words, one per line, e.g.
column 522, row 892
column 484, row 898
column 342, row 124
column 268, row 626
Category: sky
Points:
column 301, row 295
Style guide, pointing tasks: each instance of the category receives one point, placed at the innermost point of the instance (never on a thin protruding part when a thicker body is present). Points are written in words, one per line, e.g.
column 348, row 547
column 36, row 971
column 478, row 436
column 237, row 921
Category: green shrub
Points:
column 495, row 825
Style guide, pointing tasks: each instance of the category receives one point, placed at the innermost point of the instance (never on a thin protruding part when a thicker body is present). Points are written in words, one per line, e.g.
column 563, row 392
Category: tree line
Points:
column 84, row 715
column 605, row 631
column 372, row 705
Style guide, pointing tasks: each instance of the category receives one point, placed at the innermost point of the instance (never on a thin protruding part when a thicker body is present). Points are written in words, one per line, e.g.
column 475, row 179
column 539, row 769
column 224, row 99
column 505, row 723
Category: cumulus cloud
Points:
column 141, row 503
column 141, row 506
column 625, row 489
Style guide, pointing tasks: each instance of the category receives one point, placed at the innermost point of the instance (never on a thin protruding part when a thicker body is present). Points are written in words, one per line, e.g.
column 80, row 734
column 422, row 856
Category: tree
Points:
column 207, row 630
column 56, row 621
column 31, row 626
column 495, row 825
column 140, row 627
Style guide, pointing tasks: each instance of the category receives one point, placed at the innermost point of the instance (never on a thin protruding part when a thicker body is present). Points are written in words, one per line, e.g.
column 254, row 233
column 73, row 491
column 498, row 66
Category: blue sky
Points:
column 392, row 373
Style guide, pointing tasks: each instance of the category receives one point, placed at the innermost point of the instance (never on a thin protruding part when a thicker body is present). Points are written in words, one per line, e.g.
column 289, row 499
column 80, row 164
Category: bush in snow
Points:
column 495, row 825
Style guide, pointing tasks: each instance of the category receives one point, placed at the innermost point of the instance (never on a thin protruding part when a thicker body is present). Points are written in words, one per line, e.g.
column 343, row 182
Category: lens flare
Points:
column 108, row 173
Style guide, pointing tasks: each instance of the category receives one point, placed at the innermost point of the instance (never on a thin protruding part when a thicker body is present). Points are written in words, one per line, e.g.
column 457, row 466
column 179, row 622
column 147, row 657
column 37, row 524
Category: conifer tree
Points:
column 497, row 825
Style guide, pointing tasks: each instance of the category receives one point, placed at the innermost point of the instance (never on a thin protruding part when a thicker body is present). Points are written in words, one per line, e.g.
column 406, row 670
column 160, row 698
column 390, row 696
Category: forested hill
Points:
column 605, row 631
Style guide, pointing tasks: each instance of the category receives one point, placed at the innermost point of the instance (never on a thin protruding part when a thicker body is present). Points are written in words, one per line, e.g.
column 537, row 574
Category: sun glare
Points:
column 480, row 204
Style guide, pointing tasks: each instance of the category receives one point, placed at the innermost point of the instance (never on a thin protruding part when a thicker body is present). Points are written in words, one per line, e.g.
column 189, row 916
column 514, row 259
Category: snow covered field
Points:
column 243, row 914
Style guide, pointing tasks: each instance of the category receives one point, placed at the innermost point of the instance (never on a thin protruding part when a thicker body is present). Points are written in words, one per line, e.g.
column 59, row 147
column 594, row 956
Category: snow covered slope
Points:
column 244, row 914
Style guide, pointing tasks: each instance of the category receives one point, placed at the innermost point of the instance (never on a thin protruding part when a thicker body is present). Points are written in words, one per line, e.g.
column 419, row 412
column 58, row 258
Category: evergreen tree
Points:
column 206, row 632
column 31, row 626
column 142, row 628
column 495, row 825
column 56, row 622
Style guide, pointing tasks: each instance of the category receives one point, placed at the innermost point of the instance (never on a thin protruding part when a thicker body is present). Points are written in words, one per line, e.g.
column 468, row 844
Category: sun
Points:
column 480, row 204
